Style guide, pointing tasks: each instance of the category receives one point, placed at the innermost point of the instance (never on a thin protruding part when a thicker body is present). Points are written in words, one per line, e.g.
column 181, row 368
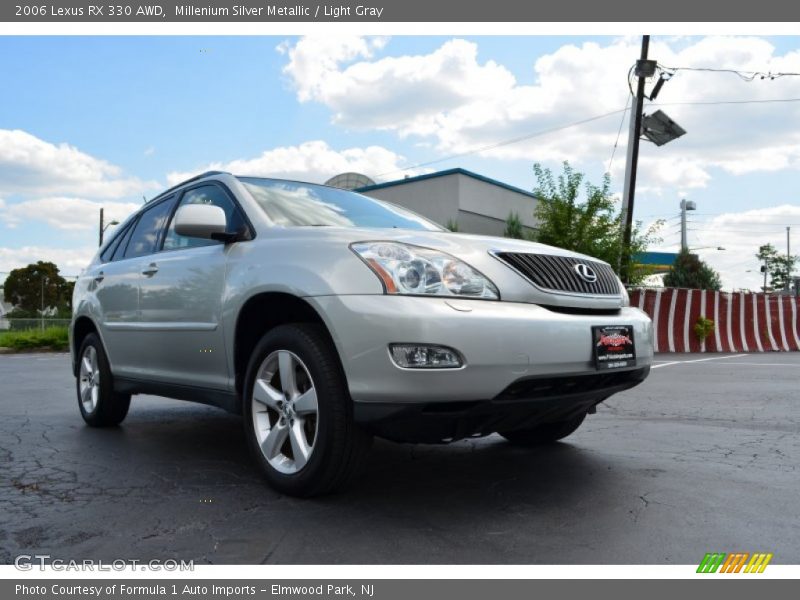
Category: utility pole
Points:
column 685, row 205
column 765, row 268
column 104, row 226
column 788, row 258
column 100, row 242
column 42, row 280
column 632, row 159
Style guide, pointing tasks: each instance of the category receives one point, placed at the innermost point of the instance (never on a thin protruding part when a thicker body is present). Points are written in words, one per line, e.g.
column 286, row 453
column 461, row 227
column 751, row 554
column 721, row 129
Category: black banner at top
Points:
column 265, row 11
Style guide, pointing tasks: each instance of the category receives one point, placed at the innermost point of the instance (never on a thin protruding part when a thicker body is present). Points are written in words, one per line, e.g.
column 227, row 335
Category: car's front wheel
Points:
column 99, row 404
column 298, row 414
column 545, row 433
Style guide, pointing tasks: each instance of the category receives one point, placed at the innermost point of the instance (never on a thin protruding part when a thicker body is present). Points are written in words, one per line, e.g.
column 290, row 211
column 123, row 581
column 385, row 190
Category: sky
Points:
column 90, row 122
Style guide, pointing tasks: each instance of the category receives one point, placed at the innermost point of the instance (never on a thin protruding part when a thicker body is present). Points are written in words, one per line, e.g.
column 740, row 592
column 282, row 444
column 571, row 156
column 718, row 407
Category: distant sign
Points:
column 659, row 262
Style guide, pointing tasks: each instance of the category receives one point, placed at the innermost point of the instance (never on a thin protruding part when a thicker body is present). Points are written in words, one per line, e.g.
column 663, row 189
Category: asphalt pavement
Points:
column 701, row 457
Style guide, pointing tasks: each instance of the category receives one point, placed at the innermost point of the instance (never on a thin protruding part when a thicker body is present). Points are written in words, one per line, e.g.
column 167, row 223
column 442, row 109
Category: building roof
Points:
column 456, row 171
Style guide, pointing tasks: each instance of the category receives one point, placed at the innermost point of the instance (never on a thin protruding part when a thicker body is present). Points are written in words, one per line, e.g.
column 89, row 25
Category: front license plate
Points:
column 614, row 347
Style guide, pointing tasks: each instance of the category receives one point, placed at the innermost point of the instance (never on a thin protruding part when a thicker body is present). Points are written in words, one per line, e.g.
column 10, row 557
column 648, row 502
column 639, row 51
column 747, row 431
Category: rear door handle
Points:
column 99, row 277
column 150, row 269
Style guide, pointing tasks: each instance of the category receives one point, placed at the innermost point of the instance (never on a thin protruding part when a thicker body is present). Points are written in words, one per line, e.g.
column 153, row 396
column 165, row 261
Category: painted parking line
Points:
column 697, row 360
column 757, row 364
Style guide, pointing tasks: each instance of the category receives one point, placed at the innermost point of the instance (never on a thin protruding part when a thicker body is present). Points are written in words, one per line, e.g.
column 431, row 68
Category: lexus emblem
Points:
column 585, row 272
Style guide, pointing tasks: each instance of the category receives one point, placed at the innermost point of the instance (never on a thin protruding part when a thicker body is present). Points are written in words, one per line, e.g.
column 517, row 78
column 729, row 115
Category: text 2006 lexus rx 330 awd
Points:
column 325, row 317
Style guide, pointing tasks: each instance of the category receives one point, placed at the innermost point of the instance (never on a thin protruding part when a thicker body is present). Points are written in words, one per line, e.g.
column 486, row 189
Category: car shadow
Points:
column 206, row 447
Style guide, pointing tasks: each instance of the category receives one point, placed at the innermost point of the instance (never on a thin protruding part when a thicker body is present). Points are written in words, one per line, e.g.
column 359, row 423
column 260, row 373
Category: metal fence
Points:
column 28, row 324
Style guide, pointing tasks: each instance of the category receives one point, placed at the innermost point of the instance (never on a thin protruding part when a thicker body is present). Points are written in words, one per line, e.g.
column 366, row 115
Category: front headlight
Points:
column 413, row 270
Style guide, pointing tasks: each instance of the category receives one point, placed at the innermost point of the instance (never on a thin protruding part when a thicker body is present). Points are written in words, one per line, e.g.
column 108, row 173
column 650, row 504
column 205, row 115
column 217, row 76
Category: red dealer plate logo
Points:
column 613, row 346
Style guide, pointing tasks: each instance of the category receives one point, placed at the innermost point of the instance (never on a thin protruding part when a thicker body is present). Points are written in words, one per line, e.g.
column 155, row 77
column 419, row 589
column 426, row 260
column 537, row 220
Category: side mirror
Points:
column 201, row 221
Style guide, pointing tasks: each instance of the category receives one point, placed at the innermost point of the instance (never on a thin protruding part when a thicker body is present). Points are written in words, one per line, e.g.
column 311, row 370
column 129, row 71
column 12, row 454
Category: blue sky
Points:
column 91, row 121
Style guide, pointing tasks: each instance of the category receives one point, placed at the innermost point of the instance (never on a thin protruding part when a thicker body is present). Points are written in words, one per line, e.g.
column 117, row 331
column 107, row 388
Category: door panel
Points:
column 116, row 286
column 180, row 305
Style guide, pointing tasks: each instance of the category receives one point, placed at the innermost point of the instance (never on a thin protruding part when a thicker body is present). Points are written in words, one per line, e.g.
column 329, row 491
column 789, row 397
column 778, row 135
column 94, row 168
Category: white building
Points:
column 4, row 306
column 476, row 203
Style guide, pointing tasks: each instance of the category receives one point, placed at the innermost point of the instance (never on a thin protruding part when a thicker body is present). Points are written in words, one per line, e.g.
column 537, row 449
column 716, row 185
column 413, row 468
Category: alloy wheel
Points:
column 285, row 411
column 89, row 379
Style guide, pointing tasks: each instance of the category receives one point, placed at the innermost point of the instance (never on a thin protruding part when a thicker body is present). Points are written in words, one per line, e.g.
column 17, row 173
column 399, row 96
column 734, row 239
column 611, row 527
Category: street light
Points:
column 660, row 129
column 104, row 227
column 707, row 248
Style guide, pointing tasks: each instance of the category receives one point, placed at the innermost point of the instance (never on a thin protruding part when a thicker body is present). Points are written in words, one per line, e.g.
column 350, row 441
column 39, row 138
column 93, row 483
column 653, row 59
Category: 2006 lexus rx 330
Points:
column 326, row 317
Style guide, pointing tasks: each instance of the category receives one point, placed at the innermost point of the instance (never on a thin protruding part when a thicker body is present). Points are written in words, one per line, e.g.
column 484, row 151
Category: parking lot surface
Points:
column 701, row 457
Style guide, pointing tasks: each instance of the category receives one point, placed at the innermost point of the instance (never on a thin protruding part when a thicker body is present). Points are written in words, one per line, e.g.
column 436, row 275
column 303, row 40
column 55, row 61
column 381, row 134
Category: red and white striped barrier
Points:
column 742, row 322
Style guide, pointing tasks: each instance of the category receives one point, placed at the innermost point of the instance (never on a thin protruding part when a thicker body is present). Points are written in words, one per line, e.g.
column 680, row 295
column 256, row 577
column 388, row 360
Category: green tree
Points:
column 591, row 224
column 452, row 225
column 779, row 266
column 29, row 287
column 514, row 227
column 688, row 271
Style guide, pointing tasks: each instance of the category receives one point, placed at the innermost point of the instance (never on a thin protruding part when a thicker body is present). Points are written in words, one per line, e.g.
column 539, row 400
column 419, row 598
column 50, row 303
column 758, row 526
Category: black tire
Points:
column 103, row 407
column 339, row 446
column 546, row 433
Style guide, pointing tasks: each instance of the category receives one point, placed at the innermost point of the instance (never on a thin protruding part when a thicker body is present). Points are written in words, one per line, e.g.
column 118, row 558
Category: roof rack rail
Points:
column 194, row 178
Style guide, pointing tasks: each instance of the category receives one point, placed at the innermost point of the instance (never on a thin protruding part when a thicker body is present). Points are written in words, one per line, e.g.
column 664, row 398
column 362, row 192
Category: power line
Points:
column 694, row 213
column 619, row 132
column 744, row 75
column 508, row 142
column 718, row 102
column 577, row 123
column 758, row 231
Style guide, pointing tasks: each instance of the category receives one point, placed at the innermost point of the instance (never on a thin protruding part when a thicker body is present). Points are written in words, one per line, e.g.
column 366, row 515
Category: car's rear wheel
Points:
column 99, row 404
column 298, row 414
column 545, row 433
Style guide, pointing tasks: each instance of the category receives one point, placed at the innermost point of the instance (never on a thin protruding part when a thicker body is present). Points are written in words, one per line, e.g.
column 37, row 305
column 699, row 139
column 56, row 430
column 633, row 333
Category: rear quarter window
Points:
column 151, row 224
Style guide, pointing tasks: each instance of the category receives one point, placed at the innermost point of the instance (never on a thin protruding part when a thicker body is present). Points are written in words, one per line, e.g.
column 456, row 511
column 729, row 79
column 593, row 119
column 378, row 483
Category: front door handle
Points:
column 150, row 269
column 99, row 277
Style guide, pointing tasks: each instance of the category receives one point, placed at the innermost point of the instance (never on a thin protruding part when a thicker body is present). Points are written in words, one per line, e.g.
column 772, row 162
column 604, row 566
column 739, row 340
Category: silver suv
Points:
column 325, row 317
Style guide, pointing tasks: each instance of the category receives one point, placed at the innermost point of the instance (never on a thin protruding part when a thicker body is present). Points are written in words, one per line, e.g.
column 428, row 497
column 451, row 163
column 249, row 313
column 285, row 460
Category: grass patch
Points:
column 54, row 337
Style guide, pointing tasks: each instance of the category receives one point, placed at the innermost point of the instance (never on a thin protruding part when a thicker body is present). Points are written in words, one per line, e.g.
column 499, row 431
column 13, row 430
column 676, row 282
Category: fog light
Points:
column 424, row 356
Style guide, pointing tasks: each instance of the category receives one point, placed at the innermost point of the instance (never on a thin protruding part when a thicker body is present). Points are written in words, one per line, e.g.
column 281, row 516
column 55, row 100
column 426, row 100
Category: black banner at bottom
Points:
column 392, row 589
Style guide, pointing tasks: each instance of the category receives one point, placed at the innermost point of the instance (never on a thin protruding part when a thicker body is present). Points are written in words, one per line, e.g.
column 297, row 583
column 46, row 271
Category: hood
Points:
column 480, row 252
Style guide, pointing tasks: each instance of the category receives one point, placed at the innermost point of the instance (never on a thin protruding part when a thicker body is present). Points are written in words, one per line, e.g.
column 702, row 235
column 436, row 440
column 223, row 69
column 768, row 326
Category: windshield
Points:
column 295, row 204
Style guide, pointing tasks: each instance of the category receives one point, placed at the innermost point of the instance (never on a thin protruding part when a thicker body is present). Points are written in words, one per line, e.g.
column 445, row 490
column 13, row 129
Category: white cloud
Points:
column 740, row 234
column 65, row 213
column 461, row 102
column 70, row 261
column 312, row 161
column 313, row 62
column 34, row 167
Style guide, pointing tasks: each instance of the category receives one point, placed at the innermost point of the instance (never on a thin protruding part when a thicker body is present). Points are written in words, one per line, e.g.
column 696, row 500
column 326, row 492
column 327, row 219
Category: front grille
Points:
column 557, row 273
column 580, row 310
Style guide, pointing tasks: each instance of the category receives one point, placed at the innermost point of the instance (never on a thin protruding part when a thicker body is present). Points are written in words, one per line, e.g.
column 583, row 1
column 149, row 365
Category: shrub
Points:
column 703, row 328
column 55, row 338
column 514, row 227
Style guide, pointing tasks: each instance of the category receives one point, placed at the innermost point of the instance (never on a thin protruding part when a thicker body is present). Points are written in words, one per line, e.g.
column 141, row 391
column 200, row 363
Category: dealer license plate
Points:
column 613, row 346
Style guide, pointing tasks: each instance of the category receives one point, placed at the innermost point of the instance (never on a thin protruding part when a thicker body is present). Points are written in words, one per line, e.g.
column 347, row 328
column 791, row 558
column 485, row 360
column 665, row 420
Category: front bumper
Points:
column 501, row 342
column 525, row 403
